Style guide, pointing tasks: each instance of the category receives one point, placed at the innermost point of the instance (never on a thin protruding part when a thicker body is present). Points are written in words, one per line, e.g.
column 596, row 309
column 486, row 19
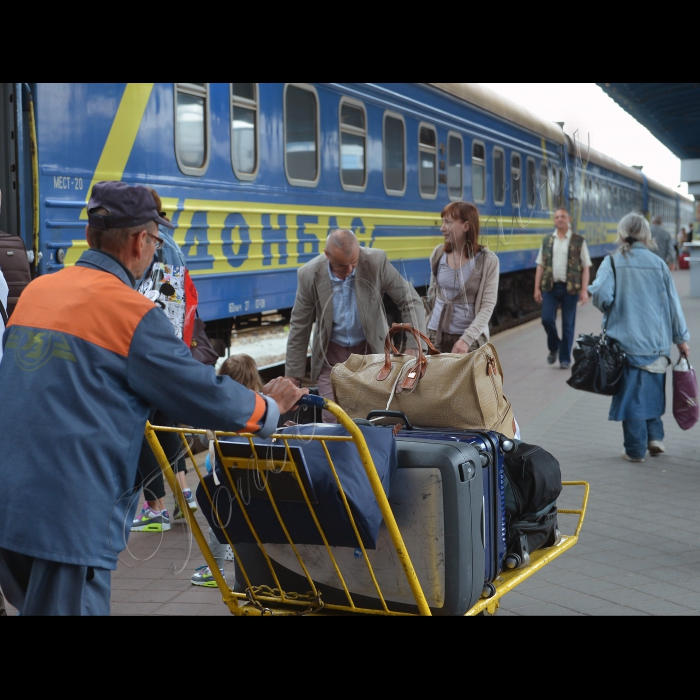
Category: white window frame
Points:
column 530, row 187
column 195, row 91
column 247, row 104
column 357, row 132
column 478, row 142
column 543, row 187
column 393, row 115
column 433, row 150
column 455, row 135
column 515, row 154
column 498, row 149
column 291, row 180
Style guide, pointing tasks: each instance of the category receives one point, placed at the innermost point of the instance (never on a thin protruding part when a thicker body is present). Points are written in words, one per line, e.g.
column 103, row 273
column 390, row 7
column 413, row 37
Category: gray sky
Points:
column 584, row 106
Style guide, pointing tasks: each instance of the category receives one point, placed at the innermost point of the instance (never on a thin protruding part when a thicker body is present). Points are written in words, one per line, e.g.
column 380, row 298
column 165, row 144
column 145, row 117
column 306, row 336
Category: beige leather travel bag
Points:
column 440, row 390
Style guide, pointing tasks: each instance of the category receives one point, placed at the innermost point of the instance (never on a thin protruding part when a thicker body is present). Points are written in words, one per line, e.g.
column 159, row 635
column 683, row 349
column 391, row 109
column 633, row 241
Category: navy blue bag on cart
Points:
column 319, row 484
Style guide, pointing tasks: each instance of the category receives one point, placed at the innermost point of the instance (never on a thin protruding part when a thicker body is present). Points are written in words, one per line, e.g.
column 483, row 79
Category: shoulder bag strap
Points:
column 607, row 313
column 3, row 313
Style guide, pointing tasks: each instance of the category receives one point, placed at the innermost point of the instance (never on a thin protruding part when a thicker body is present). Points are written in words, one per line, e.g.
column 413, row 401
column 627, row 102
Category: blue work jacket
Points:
column 646, row 318
column 86, row 358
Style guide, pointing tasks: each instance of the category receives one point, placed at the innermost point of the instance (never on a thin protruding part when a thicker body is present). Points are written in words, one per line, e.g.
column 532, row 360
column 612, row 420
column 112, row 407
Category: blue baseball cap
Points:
column 127, row 206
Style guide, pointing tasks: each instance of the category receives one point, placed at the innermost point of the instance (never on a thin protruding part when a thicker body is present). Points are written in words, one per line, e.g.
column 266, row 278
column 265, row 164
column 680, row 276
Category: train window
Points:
column 244, row 130
column 478, row 172
column 454, row 166
column 553, row 184
column 353, row 150
column 499, row 176
column 394, row 154
column 427, row 160
column 614, row 202
column 301, row 135
column 530, row 182
column 192, row 127
column 515, row 180
column 544, row 175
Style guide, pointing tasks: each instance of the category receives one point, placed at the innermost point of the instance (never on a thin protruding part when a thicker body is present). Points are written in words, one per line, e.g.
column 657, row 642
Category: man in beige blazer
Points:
column 342, row 291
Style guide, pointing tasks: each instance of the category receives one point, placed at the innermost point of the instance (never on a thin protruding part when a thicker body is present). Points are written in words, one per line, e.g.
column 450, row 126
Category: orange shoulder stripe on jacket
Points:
column 253, row 424
column 90, row 304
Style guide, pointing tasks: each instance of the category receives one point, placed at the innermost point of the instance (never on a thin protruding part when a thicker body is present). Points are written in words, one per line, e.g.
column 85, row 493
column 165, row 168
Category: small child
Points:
column 242, row 369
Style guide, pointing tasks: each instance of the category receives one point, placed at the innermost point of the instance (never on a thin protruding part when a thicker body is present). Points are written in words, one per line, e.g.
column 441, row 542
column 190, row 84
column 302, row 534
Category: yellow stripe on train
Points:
column 232, row 232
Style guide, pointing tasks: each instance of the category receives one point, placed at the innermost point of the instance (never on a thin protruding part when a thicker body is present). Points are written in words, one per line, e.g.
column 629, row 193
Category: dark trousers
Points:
column 150, row 475
column 41, row 587
column 550, row 302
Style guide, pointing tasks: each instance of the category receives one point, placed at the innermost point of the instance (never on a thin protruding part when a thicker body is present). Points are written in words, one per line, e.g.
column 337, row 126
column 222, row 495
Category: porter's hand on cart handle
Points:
column 285, row 392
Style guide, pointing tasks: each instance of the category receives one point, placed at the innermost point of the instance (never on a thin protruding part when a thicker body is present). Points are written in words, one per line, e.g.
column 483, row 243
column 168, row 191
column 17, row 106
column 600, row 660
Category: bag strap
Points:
column 607, row 313
column 3, row 313
column 422, row 363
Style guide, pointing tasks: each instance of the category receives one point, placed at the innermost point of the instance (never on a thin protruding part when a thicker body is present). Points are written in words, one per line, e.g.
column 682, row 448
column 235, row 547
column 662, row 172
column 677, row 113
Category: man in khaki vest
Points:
column 561, row 278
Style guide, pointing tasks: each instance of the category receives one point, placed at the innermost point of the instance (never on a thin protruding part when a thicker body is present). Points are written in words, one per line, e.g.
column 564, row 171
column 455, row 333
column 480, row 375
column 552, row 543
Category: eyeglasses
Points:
column 158, row 240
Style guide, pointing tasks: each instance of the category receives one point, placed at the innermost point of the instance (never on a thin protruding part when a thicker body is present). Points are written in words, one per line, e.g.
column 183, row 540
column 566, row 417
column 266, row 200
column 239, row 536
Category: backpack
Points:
column 532, row 486
column 14, row 264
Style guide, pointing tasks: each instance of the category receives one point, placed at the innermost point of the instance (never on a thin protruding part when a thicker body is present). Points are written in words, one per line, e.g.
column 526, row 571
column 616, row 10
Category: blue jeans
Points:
column 550, row 302
column 639, row 433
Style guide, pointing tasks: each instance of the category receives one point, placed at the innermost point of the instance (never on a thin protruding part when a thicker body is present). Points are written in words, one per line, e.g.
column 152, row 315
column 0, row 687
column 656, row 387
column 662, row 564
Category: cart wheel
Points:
column 488, row 591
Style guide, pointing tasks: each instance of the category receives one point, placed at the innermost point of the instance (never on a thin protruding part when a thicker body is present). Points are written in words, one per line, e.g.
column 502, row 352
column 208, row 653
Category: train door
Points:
column 9, row 171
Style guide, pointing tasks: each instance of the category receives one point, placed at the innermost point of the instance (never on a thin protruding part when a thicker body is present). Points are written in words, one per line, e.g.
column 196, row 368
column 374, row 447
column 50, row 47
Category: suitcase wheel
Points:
column 488, row 591
column 513, row 561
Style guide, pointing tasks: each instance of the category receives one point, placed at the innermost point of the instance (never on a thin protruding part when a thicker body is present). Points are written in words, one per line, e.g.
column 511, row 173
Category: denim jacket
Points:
column 646, row 318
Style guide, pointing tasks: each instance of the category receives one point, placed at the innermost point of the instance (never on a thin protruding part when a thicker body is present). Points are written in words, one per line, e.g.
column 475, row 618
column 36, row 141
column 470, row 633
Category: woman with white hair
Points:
column 643, row 314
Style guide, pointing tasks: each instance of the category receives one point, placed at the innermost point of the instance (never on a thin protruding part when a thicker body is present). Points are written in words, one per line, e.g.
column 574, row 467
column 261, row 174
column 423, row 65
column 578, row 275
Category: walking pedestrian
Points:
column 643, row 314
column 664, row 243
column 561, row 279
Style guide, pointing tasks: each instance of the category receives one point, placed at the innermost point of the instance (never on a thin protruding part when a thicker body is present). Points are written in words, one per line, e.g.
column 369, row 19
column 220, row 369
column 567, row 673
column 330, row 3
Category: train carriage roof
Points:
column 489, row 100
column 481, row 96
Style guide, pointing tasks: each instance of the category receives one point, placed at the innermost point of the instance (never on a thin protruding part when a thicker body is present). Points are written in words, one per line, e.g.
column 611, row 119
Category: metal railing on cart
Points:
column 271, row 597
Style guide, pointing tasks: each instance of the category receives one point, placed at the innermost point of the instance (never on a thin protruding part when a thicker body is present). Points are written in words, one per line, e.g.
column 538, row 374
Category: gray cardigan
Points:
column 486, row 297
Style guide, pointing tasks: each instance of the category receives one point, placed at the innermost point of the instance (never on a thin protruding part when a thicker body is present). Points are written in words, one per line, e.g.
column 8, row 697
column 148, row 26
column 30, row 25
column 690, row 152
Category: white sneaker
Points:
column 656, row 447
column 632, row 459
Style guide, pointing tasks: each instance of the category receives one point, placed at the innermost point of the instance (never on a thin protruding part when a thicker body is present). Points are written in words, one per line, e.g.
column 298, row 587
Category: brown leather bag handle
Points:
column 413, row 376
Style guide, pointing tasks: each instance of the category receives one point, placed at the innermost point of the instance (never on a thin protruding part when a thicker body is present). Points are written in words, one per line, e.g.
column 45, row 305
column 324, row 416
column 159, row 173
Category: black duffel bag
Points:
column 532, row 486
column 598, row 365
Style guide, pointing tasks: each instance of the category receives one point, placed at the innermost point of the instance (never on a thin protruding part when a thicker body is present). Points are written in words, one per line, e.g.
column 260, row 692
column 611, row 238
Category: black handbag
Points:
column 598, row 362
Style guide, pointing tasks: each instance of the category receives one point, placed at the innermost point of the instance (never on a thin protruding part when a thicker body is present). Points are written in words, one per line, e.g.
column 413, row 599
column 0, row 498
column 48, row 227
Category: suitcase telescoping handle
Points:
column 390, row 414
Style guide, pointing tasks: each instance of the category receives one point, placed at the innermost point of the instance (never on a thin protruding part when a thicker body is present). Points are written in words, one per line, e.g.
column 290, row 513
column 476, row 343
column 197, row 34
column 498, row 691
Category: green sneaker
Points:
column 148, row 521
column 204, row 577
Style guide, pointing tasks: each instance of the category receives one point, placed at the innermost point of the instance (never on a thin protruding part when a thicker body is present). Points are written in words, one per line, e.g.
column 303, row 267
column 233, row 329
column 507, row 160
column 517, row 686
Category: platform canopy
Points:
column 671, row 111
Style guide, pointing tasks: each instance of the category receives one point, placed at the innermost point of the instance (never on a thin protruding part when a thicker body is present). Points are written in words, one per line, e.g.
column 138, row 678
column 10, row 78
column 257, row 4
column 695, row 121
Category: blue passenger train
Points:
column 255, row 175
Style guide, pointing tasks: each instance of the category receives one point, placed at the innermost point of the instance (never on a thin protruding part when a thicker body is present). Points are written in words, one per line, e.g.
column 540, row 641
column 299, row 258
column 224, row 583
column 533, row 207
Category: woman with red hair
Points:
column 463, row 283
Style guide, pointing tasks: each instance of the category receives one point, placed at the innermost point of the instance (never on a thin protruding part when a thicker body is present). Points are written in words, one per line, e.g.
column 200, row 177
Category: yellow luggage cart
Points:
column 265, row 599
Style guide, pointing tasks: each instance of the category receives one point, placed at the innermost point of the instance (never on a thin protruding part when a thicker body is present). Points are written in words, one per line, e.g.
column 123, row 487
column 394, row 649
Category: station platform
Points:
column 639, row 550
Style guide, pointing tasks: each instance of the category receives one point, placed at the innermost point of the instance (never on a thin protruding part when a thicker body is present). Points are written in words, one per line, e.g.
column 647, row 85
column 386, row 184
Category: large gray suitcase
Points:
column 437, row 500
